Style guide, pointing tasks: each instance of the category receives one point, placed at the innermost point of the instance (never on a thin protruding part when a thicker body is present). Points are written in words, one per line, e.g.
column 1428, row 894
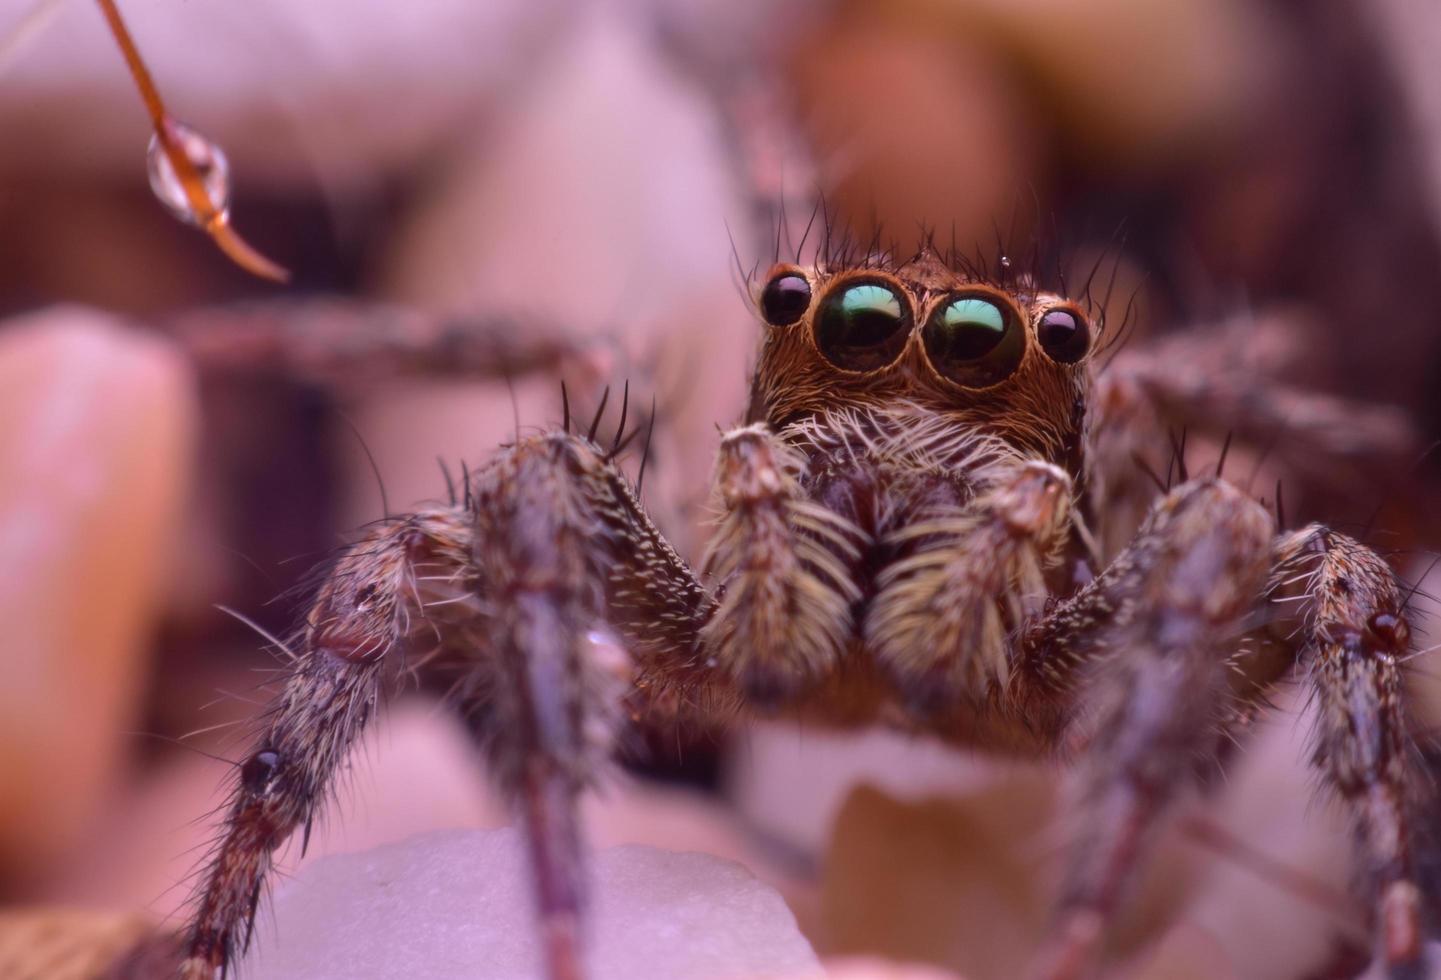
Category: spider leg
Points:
column 1350, row 635
column 367, row 607
column 1155, row 639
column 939, row 624
column 522, row 590
column 781, row 568
column 342, row 342
column 1160, row 624
column 1226, row 387
column 542, row 696
column 1227, row 381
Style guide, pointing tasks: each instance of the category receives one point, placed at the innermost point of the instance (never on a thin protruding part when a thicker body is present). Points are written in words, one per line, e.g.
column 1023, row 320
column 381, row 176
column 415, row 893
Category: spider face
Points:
column 1011, row 362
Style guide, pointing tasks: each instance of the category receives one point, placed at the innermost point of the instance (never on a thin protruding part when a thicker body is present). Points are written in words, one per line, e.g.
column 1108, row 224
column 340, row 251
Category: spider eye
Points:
column 256, row 773
column 862, row 326
column 1064, row 336
column 974, row 341
column 785, row 299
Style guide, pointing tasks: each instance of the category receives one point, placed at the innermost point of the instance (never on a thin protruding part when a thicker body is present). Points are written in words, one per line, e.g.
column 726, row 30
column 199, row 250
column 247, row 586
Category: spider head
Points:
column 1004, row 358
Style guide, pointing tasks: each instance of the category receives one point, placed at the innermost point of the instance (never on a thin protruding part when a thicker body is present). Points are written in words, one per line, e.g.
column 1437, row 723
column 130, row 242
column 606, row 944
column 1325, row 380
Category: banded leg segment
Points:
column 1178, row 603
column 1225, row 383
column 522, row 594
column 335, row 341
column 1352, row 639
column 544, row 680
column 373, row 601
column 1179, row 640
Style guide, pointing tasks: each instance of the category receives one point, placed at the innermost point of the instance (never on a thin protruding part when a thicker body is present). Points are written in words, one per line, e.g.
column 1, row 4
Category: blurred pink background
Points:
column 591, row 168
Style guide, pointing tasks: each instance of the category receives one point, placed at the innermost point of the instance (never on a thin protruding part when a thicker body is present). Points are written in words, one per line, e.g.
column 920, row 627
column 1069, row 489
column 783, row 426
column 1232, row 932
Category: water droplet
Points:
column 209, row 162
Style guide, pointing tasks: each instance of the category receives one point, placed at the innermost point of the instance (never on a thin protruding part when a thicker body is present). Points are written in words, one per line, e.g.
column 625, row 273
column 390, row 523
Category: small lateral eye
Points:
column 258, row 770
column 1064, row 336
column 862, row 326
column 974, row 341
column 785, row 299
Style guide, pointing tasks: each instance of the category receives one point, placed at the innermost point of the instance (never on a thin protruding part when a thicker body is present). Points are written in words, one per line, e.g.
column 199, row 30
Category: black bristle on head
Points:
column 645, row 453
column 599, row 414
column 1225, row 449
column 620, row 429
column 1161, row 485
column 1023, row 251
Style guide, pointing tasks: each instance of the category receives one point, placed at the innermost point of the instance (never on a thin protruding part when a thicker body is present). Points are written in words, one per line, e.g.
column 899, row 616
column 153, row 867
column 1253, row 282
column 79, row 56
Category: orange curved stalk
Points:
column 242, row 253
column 216, row 223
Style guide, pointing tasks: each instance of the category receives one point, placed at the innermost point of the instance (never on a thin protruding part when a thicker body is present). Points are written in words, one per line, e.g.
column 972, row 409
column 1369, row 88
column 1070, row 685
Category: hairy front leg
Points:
column 1150, row 668
column 941, row 621
column 1141, row 655
column 1347, row 630
column 550, row 552
column 376, row 597
column 781, row 569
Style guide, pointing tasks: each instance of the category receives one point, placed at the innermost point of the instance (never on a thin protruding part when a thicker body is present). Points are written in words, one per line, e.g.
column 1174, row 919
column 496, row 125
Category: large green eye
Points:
column 974, row 340
column 862, row 326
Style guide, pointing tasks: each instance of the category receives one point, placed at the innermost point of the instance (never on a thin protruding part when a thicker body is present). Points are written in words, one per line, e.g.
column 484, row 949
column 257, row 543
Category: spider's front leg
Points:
column 378, row 591
column 1348, row 629
column 966, row 576
column 1154, row 632
column 1151, row 658
column 550, row 546
column 783, row 572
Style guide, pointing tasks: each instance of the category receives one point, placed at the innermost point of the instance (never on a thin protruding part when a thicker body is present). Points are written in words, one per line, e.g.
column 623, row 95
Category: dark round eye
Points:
column 257, row 771
column 974, row 341
column 1064, row 336
column 862, row 326
column 785, row 299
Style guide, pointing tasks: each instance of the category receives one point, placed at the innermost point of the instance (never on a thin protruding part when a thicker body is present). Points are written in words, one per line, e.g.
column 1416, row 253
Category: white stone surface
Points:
column 458, row 904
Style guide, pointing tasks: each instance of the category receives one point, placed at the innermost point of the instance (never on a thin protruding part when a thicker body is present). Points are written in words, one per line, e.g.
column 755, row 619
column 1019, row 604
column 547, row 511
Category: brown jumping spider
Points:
column 917, row 527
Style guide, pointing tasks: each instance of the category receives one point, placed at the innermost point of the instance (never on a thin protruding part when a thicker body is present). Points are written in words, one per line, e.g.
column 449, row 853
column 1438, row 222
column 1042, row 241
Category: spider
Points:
column 923, row 523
